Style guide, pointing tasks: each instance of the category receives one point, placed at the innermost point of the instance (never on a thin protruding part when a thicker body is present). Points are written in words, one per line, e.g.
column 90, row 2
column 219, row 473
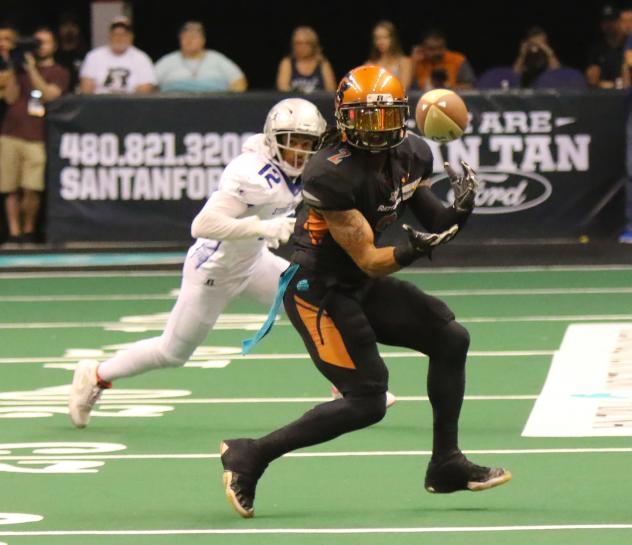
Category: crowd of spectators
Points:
column 60, row 61
column 121, row 67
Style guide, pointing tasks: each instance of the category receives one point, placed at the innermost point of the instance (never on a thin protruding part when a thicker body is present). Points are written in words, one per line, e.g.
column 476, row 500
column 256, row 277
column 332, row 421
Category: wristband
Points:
column 405, row 254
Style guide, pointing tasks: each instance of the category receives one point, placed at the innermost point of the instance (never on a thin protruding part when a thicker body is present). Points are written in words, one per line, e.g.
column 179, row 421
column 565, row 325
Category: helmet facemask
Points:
column 291, row 150
column 373, row 127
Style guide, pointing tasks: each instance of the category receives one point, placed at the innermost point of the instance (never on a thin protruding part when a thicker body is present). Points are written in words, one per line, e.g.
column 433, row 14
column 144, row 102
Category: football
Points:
column 441, row 115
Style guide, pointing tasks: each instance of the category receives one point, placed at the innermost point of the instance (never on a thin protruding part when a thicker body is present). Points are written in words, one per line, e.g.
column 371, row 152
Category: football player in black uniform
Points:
column 342, row 301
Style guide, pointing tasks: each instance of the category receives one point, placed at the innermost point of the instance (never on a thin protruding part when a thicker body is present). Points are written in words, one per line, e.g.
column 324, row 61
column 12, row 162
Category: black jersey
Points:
column 340, row 177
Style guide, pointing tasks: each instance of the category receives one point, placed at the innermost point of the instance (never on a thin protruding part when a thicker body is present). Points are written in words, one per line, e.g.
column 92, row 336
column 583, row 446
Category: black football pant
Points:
column 341, row 327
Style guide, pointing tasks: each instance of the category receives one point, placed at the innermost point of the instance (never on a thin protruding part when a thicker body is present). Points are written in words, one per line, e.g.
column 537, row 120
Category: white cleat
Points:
column 390, row 398
column 84, row 392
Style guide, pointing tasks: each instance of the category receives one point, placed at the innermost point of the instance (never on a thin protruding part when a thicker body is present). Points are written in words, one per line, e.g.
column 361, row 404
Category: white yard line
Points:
column 319, row 531
column 335, row 454
column 526, row 269
column 408, row 271
column 87, row 274
column 68, row 298
column 304, row 356
column 241, row 400
column 81, row 298
column 544, row 318
column 463, row 320
column 527, row 291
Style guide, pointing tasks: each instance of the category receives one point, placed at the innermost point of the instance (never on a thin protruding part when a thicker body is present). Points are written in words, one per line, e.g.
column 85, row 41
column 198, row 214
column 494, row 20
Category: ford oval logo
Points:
column 500, row 192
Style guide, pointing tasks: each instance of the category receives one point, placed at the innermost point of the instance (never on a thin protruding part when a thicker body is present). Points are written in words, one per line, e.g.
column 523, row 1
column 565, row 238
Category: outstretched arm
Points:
column 431, row 212
column 353, row 233
column 219, row 220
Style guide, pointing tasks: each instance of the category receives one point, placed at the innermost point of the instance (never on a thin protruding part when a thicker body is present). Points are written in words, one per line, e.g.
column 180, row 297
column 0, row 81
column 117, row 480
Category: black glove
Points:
column 464, row 187
column 420, row 244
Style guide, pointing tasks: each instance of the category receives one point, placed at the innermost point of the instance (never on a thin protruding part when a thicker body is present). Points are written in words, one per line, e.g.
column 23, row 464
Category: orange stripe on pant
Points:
column 333, row 349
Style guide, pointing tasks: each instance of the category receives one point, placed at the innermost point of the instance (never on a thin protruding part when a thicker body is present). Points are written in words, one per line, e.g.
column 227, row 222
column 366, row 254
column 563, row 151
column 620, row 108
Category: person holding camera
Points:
column 535, row 56
column 7, row 43
column 435, row 66
column 34, row 80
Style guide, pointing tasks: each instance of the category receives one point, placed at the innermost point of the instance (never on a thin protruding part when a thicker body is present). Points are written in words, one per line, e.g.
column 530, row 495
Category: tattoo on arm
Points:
column 352, row 232
column 349, row 229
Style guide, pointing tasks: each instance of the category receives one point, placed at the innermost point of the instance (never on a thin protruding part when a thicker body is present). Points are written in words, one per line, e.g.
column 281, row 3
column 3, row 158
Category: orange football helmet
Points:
column 371, row 108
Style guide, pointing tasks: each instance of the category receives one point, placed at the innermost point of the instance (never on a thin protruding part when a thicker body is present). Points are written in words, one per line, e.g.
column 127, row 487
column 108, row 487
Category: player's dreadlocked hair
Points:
column 332, row 135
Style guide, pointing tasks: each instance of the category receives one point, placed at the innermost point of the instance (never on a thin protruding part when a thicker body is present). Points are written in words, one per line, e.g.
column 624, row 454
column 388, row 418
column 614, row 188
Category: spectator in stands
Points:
column 118, row 67
column 606, row 54
column 386, row 51
column 626, row 235
column 435, row 66
column 72, row 47
column 305, row 69
column 7, row 42
column 625, row 20
column 194, row 68
column 22, row 155
column 534, row 57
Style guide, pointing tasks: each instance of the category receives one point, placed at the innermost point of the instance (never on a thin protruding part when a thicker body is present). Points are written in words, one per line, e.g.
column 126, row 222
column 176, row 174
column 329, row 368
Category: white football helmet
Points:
column 292, row 116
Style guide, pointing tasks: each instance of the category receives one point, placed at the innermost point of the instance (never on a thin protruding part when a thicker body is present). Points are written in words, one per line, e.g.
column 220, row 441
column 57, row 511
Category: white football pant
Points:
column 203, row 296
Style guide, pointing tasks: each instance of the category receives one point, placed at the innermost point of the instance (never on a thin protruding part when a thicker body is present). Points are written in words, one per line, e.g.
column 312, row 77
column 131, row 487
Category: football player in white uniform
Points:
column 250, row 211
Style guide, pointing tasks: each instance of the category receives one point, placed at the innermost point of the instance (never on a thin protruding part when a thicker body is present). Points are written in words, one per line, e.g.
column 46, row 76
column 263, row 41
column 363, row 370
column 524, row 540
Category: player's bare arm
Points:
column 353, row 233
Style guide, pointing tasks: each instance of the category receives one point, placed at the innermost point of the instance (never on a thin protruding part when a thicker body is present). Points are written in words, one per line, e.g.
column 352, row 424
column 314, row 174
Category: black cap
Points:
column 609, row 13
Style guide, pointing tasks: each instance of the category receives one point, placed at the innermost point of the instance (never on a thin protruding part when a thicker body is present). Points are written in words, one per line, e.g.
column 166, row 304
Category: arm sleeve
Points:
column 426, row 207
column 218, row 219
column 431, row 213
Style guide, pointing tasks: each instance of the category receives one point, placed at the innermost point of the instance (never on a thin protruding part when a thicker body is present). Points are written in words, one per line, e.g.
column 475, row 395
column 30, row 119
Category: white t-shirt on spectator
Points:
column 118, row 73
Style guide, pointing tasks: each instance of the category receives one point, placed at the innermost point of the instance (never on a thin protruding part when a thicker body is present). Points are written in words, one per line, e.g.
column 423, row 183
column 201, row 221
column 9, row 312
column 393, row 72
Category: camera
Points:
column 439, row 77
column 16, row 60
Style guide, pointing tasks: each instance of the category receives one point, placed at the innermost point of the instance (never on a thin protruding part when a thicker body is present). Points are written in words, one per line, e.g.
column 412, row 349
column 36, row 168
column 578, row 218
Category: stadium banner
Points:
column 139, row 168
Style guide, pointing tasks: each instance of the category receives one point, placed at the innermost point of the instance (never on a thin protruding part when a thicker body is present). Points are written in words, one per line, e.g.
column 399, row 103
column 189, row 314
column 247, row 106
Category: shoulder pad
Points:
column 251, row 178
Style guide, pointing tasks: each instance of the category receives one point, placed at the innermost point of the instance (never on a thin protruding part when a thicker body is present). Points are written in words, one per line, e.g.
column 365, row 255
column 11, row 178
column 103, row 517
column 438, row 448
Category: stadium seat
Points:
column 494, row 78
column 561, row 78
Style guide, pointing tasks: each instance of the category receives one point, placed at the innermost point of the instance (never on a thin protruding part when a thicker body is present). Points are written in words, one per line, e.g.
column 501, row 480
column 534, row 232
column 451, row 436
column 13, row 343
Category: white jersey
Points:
column 114, row 73
column 257, row 182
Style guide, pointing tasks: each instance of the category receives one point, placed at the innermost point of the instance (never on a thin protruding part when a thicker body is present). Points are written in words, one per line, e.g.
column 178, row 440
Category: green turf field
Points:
column 146, row 471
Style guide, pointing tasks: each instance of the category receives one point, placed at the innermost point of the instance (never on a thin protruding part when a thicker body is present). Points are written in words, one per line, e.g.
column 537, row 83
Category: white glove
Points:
column 277, row 231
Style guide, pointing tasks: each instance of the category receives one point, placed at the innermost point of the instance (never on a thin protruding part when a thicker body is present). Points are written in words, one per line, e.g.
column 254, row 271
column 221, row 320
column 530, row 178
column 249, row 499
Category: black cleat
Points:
column 241, row 473
column 456, row 472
